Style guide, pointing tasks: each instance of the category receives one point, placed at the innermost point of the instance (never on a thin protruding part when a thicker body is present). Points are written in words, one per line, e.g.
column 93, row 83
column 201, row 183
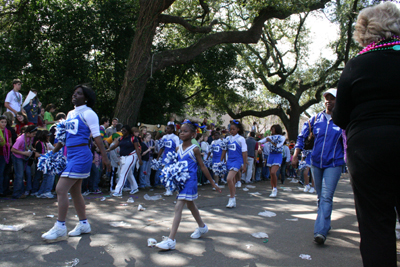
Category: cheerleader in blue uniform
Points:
column 276, row 142
column 80, row 124
column 171, row 142
column 237, row 154
column 190, row 153
column 216, row 151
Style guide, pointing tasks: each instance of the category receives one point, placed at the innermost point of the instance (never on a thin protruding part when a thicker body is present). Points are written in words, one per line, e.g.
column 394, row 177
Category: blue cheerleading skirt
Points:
column 233, row 165
column 274, row 159
column 79, row 162
column 189, row 193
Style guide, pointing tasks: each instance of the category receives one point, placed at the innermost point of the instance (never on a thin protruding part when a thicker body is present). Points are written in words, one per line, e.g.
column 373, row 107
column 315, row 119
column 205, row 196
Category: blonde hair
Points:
column 377, row 22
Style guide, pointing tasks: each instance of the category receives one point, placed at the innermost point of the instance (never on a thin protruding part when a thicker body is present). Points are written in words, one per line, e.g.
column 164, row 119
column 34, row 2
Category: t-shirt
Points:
column 15, row 100
column 18, row 127
column 20, row 145
column 144, row 149
column 48, row 117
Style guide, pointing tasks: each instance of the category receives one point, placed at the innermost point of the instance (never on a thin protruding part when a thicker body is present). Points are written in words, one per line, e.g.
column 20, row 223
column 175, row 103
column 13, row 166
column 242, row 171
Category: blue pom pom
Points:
column 60, row 134
column 174, row 175
column 302, row 165
column 224, row 144
column 208, row 163
column 155, row 164
column 52, row 163
column 160, row 143
column 219, row 169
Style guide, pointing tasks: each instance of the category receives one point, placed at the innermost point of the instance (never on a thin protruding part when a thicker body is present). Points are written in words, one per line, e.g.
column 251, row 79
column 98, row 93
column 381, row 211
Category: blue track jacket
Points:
column 328, row 148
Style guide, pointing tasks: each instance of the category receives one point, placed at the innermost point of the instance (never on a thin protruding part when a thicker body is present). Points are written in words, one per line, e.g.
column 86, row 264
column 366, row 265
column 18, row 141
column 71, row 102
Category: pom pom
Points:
column 219, row 169
column 224, row 144
column 174, row 175
column 53, row 163
column 275, row 139
column 302, row 165
column 160, row 143
column 208, row 163
column 170, row 158
column 61, row 131
column 155, row 164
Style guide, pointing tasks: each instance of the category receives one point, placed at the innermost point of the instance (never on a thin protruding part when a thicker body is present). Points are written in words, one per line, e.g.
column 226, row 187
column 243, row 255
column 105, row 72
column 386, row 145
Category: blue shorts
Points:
column 79, row 162
column 274, row 159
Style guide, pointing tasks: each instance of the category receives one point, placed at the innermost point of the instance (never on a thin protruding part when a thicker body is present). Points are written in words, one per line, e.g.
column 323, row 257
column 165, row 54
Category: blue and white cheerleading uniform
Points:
column 236, row 146
column 275, row 152
column 171, row 142
column 190, row 191
column 80, row 123
column 216, row 151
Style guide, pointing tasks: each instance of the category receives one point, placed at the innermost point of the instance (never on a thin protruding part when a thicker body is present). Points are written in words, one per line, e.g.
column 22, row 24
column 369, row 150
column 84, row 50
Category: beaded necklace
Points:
column 384, row 44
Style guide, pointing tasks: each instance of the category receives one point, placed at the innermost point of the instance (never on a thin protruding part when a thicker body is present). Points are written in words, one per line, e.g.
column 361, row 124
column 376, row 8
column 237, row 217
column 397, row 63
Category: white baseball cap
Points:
column 331, row 91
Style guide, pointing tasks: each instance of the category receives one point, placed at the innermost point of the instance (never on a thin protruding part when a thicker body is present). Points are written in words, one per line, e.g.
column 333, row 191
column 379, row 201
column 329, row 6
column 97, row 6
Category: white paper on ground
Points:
column 267, row 214
column 130, row 200
column 120, row 224
column 292, row 220
column 151, row 242
column 13, row 228
column 245, row 189
column 249, row 246
column 156, row 197
column 260, row 235
column 255, row 193
column 305, row 257
column 141, row 208
column 72, row 263
column 250, row 186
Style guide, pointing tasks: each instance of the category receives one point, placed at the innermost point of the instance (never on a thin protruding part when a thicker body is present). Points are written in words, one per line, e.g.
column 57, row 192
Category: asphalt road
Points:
column 228, row 243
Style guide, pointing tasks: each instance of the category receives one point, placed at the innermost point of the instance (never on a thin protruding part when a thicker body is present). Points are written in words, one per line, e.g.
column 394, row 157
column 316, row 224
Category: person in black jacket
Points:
column 367, row 106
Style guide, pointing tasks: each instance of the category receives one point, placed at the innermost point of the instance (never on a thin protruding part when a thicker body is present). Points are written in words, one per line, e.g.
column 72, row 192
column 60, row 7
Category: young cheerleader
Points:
column 277, row 141
column 306, row 159
column 191, row 154
column 171, row 142
column 237, row 154
column 216, row 151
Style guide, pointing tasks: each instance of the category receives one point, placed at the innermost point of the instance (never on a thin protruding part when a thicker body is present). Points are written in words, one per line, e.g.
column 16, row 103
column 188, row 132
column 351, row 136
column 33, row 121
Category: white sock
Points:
column 61, row 224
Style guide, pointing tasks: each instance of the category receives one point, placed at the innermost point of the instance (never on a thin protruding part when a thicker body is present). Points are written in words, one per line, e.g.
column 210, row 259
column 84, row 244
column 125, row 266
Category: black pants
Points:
column 373, row 158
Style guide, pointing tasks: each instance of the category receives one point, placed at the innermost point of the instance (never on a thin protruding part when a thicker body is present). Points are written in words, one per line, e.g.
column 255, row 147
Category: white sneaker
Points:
column 231, row 203
column 238, row 184
column 166, row 244
column 55, row 234
column 306, row 188
column 117, row 195
column 223, row 181
column 126, row 189
column 86, row 193
column 134, row 191
column 214, row 189
column 80, row 228
column 168, row 193
column 312, row 190
column 199, row 231
column 274, row 192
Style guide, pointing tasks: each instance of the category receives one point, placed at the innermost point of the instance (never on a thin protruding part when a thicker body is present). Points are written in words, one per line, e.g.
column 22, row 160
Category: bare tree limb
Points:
column 179, row 20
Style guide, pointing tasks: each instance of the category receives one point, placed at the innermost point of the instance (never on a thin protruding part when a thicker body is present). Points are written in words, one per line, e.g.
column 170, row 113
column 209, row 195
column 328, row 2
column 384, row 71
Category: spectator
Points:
column 104, row 123
column 48, row 117
column 367, row 106
column 21, row 121
column 22, row 151
column 251, row 150
column 13, row 100
column 60, row 116
column 5, row 145
column 33, row 108
column 144, row 176
column 112, row 129
column 327, row 158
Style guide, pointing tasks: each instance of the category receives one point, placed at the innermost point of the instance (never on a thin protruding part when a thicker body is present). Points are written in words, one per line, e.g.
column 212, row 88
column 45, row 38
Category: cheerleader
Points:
column 190, row 153
column 80, row 124
column 275, row 145
column 237, row 154
column 171, row 142
column 216, row 151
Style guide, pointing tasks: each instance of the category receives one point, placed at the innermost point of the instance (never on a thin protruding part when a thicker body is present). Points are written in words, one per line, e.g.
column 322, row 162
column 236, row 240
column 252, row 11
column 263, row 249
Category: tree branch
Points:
column 179, row 56
column 178, row 20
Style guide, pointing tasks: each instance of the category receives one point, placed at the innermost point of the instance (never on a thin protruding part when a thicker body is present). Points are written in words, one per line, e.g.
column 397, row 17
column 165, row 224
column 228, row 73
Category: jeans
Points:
column 94, row 182
column 282, row 172
column 36, row 181
column 2, row 176
column 19, row 168
column 258, row 173
column 157, row 177
column 144, row 179
column 326, row 181
column 47, row 182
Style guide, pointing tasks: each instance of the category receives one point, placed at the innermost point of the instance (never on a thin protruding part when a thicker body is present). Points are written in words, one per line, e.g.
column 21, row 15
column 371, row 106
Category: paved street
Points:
column 228, row 243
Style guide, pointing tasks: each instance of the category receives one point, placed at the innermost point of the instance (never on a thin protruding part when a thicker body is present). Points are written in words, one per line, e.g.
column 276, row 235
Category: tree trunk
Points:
column 139, row 62
column 293, row 127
